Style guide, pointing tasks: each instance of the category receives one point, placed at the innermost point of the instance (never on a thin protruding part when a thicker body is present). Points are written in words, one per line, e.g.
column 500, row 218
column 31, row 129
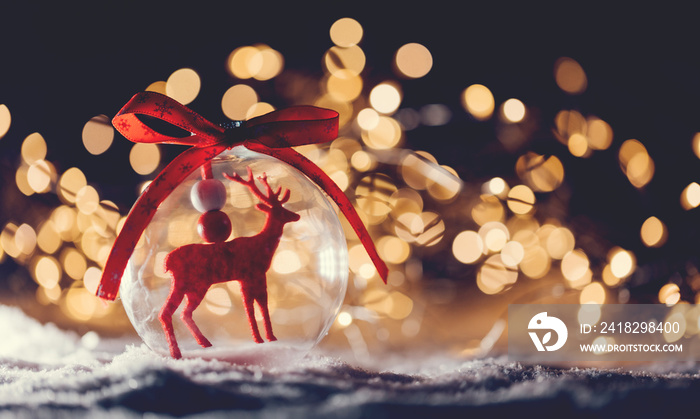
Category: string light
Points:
column 5, row 120
column 570, row 76
column 414, row 205
column 346, row 32
column 183, row 85
column 478, row 100
column 413, row 60
column 98, row 134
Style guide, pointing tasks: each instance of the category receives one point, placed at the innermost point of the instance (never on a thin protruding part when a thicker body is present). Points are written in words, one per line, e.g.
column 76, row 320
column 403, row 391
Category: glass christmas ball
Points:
column 306, row 281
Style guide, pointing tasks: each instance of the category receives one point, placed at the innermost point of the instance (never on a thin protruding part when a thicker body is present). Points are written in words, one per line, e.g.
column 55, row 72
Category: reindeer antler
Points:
column 272, row 198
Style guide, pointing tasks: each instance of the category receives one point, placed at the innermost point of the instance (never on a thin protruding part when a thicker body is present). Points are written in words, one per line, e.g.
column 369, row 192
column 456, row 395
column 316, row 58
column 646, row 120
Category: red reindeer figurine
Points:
column 195, row 267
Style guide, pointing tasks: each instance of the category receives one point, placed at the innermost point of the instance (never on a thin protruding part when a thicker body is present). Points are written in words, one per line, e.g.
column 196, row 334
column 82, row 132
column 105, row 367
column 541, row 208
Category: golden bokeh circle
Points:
column 478, row 100
column 569, row 76
column 98, row 134
column 346, row 32
column 413, row 60
column 5, row 120
column 183, row 85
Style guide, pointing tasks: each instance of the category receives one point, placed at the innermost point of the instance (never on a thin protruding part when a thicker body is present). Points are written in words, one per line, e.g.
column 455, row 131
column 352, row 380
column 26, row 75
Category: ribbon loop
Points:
column 165, row 109
column 273, row 134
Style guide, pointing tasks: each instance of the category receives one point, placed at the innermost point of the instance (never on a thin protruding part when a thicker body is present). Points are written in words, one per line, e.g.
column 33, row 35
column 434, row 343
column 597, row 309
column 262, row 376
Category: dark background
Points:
column 62, row 64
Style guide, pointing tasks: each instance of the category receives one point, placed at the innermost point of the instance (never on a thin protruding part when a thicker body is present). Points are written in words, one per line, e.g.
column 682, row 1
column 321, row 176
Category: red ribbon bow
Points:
column 273, row 134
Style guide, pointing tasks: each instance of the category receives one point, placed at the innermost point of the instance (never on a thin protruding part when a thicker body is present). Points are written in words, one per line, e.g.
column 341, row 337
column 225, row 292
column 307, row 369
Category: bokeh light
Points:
column 375, row 195
column 567, row 123
column 244, row 62
column 669, row 294
column 25, row 239
column 218, row 300
column 575, row 265
column 494, row 235
column 237, row 100
column 71, row 181
column 346, row 32
column 496, row 186
column 578, row 145
column 344, row 319
column 48, row 238
column 513, row 110
column 560, row 242
column 47, row 272
column 158, row 87
column 183, row 85
column 512, row 254
column 259, row 109
column 413, row 60
column 351, row 59
column 91, row 279
column 521, row 199
column 385, row 98
column 570, row 76
column 589, row 314
column 434, row 115
column 593, row 293
column 653, row 232
column 478, row 100
column 468, row 246
column 622, row 262
column 368, row 119
column 488, row 208
column 260, row 62
column 21, row 180
column 144, row 158
column 393, row 249
column 494, row 276
column 7, row 239
column 344, row 85
column 98, row 134
column 5, row 120
column 362, row 161
column 444, row 185
column 33, row 148
column 598, row 133
column 636, row 163
column 505, row 230
column 40, row 176
column 609, row 278
column 286, row 262
column 87, row 200
column 272, row 63
column 74, row 263
column 384, row 135
column 690, row 197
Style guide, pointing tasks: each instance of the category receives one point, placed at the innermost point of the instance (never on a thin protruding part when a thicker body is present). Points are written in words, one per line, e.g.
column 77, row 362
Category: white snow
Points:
column 47, row 372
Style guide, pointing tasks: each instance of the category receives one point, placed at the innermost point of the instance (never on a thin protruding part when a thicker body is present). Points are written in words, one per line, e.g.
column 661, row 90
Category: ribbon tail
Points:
column 143, row 211
column 310, row 169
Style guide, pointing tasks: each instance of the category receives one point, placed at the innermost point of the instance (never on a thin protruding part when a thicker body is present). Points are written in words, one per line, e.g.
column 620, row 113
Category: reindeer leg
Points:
column 262, row 302
column 193, row 301
column 166, row 319
column 248, row 301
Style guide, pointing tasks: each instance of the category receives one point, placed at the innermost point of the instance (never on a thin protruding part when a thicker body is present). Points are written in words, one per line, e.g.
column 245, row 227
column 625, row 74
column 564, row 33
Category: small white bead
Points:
column 208, row 195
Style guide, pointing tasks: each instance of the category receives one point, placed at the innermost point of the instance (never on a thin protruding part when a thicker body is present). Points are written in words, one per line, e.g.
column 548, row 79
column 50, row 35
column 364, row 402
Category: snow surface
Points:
column 47, row 372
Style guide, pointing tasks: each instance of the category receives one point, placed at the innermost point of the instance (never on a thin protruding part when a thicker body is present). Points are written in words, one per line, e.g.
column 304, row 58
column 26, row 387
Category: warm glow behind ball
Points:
column 306, row 282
